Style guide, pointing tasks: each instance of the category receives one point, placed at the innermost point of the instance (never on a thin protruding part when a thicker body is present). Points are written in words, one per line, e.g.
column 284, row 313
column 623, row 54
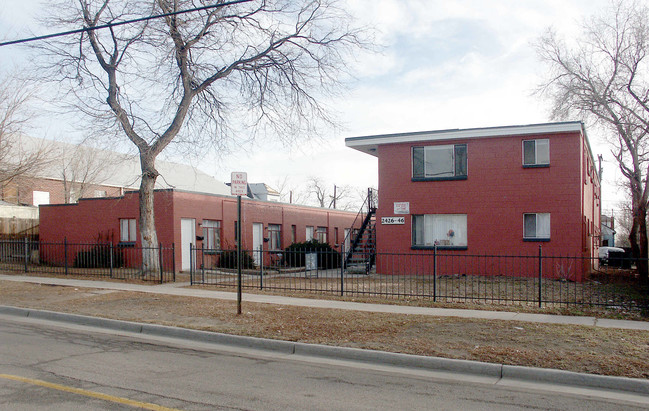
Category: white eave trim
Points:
column 368, row 144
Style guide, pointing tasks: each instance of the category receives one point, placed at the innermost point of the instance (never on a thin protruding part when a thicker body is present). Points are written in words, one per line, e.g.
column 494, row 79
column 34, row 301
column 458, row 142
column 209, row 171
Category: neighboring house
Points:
column 74, row 171
column 262, row 191
column 608, row 231
column 501, row 191
column 182, row 217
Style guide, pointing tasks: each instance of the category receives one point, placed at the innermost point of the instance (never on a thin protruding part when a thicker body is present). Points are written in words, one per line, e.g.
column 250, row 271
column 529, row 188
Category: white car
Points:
column 603, row 253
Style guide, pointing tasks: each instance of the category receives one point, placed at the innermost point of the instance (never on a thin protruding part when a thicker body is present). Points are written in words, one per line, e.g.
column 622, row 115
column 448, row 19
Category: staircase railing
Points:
column 370, row 203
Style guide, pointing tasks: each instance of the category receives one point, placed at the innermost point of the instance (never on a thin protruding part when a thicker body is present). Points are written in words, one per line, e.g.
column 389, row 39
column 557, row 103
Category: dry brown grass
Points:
column 568, row 347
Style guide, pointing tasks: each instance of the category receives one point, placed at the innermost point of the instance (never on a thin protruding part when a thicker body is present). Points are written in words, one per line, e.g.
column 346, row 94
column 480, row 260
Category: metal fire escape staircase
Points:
column 361, row 256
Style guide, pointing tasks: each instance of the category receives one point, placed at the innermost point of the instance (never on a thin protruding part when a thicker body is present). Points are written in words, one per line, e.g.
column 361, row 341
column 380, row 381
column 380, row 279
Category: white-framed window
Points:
column 536, row 226
column 127, row 230
column 536, row 152
column 274, row 237
column 100, row 193
column 439, row 162
column 321, row 234
column 212, row 234
column 309, row 233
column 443, row 230
column 40, row 197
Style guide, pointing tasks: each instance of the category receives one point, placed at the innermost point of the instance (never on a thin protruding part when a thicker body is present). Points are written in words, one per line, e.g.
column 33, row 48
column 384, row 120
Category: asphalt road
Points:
column 45, row 366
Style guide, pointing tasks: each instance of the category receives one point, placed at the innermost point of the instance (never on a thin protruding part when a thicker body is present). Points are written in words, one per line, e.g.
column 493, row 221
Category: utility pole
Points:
column 599, row 159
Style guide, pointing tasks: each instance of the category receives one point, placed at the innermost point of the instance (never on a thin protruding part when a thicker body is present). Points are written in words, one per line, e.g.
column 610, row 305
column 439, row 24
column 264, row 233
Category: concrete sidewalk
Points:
column 180, row 289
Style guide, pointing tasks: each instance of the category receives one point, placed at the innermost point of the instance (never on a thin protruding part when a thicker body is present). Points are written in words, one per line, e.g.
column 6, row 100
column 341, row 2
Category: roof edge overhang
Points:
column 369, row 144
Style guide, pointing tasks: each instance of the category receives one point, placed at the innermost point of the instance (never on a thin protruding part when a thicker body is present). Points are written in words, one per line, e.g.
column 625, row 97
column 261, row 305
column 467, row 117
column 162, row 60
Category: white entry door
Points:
column 257, row 242
column 187, row 237
column 347, row 240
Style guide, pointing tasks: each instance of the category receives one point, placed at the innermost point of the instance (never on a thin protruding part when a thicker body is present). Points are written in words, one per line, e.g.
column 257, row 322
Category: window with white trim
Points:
column 127, row 230
column 536, row 226
column 321, row 234
column 309, row 233
column 443, row 230
column 212, row 234
column 274, row 237
column 40, row 197
column 536, row 152
column 439, row 162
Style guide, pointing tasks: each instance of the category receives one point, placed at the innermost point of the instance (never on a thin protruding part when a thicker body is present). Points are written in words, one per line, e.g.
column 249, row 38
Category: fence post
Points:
column 160, row 262
column 540, row 274
column 191, row 264
column 435, row 273
column 342, row 268
column 173, row 259
column 202, row 262
column 65, row 254
column 261, row 271
column 26, row 253
column 110, row 247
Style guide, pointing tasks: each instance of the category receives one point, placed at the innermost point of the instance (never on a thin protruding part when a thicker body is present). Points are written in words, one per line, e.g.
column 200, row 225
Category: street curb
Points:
column 482, row 369
column 552, row 376
column 398, row 359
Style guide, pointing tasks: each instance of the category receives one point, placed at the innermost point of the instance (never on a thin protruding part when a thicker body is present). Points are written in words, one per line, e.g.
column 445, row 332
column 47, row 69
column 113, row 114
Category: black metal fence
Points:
column 543, row 281
column 88, row 259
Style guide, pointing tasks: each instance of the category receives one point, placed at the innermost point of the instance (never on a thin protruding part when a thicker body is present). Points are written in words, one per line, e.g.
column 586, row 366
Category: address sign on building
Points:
column 393, row 220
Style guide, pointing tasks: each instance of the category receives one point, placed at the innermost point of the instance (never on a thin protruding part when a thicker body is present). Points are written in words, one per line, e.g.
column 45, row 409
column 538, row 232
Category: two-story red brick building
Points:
column 487, row 191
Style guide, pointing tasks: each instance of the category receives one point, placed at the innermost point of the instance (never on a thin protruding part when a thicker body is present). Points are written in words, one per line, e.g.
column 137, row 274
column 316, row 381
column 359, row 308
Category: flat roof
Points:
column 369, row 144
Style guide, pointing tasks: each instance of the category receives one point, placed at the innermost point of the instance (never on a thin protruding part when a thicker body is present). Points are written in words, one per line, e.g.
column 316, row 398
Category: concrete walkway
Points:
column 180, row 289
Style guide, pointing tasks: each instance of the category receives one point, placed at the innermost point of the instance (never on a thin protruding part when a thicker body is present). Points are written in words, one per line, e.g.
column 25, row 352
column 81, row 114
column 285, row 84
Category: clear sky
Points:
column 444, row 64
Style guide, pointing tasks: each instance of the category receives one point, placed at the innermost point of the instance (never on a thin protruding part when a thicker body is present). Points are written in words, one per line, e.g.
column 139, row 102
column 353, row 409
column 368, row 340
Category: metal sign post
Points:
column 239, row 187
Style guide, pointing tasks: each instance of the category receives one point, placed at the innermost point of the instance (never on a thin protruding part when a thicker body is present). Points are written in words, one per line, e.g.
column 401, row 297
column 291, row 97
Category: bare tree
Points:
column 604, row 78
column 331, row 196
column 200, row 75
column 16, row 159
column 82, row 169
column 289, row 192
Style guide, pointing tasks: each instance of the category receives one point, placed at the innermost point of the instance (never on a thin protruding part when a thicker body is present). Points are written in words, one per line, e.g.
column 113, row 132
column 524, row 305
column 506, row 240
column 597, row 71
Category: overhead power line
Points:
column 121, row 23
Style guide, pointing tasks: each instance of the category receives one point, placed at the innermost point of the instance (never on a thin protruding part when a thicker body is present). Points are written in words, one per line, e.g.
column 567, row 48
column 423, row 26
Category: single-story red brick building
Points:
column 184, row 218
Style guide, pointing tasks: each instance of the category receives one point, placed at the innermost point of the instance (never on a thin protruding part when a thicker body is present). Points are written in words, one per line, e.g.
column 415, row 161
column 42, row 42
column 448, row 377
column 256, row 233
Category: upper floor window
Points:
column 127, row 230
column 536, row 152
column 536, row 226
column 439, row 162
column 212, row 234
column 41, row 197
column 442, row 230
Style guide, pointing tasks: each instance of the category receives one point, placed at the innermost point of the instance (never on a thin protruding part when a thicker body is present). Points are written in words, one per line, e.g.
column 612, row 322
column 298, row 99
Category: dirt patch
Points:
column 567, row 347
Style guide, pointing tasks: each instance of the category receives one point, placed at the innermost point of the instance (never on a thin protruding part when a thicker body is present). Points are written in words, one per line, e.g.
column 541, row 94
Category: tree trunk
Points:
column 150, row 262
column 639, row 241
column 643, row 245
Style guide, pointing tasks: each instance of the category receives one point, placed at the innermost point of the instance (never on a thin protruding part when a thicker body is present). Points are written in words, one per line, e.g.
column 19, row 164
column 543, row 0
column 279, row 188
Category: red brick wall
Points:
column 20, row 190
column 93, row 220
column 496, row 194
column 224, row 209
